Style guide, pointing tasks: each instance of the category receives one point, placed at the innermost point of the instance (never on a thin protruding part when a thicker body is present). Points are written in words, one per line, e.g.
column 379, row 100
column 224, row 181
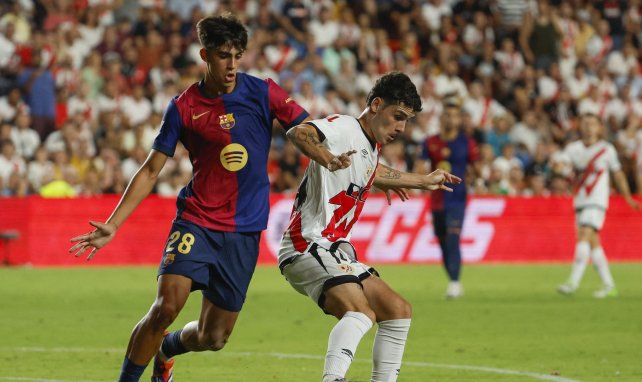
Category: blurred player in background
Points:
column 452, row 151
column 593, row 159
column 225, row 122
column 316, row 256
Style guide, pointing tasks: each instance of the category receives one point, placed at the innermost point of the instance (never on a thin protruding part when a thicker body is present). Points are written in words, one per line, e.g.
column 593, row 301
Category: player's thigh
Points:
column 589, row 222
column 386, row 303
column 343, row 298
column 174, row 289
column 454, row 219
column 439, row 223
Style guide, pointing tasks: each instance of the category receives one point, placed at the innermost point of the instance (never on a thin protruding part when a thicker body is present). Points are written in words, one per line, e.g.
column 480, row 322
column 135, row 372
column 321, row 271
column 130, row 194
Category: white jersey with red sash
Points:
column 329, row 203
column 592, row 164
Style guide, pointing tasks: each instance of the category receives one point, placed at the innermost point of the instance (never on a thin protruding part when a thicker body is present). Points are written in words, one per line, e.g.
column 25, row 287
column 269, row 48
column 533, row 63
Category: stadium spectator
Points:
column 97, row 52
column 38, row 87
column 25, row 139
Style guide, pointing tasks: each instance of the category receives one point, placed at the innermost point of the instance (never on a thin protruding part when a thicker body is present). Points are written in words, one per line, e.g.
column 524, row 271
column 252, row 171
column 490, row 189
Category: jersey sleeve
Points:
column 283, row 107
column 613, row 161
column 330, row 131
column 170, row 131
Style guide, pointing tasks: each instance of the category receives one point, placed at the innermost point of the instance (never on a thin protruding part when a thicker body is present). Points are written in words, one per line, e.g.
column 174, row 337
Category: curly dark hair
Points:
column 216, row 31
column 396, row 88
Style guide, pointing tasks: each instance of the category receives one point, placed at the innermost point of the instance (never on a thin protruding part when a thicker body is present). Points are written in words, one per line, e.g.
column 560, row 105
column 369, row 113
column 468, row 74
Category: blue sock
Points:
column 172, row 344
column 130, row 371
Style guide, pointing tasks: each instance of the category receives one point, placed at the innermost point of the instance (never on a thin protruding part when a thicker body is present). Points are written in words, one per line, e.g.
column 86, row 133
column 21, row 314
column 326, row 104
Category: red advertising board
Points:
column 495, row 230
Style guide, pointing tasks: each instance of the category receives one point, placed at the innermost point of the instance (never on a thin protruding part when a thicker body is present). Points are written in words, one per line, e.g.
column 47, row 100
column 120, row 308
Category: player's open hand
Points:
column 96, row 239
column 437, row 180
column 341, row 161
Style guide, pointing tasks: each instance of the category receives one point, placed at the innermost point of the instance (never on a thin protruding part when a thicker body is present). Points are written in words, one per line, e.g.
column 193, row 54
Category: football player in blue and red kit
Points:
column 225, row 122
column 452, row 151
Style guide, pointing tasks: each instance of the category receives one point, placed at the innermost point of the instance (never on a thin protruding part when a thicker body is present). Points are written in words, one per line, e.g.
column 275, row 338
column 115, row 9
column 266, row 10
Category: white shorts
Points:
column 591, row 217
column 318, row 269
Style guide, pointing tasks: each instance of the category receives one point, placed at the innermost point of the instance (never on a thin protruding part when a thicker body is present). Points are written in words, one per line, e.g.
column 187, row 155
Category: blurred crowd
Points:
column 84, row 83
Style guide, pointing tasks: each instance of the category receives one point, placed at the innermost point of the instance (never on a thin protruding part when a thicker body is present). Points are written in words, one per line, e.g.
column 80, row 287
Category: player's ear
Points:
column 376, row 104
column 203, row 54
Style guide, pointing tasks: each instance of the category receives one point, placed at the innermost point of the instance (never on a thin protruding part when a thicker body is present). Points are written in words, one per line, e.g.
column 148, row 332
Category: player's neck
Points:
column 449, row 134
column 590, row 142
column 213, row 89
column 365, row 126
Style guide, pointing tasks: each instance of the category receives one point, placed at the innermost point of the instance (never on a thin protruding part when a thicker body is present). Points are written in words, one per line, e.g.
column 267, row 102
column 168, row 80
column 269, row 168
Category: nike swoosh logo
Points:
column 195, row 117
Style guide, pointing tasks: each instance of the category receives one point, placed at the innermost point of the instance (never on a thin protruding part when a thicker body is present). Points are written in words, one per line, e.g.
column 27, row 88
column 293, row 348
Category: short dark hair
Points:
column 216, row 31
column 396, row 88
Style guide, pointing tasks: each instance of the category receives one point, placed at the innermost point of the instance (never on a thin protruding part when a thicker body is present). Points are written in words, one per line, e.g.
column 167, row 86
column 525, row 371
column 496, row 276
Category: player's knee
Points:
column 403, row 309
column 163, row 314
column 399, row 308
column 367, row 311
column 214, row 340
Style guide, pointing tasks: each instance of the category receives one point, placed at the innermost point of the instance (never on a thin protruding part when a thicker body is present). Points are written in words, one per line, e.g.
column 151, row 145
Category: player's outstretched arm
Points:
column 623, row 186
column 388, row 179
column 306, row 138
column 140, row 186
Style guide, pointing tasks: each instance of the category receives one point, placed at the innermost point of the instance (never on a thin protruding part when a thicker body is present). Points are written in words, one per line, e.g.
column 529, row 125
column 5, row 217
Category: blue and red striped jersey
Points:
column 452, row 156
column 228, row 139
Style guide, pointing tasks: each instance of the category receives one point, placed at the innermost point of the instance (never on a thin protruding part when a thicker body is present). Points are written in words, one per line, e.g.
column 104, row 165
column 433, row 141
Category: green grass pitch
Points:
column 59, row 325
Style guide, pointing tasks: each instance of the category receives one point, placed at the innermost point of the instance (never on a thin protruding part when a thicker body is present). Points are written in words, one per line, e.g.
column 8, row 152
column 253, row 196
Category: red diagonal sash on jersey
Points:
column 589, row 169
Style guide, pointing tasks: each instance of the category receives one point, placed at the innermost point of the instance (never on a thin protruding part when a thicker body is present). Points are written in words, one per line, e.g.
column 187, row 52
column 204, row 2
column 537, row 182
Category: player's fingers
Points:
column 82, row 237
column 350, row 152
column 445, row 188
column 403, row 194
column 450, row 178
column 80, row 251
column 389, row 198
column 76, row 247
column 91, row 255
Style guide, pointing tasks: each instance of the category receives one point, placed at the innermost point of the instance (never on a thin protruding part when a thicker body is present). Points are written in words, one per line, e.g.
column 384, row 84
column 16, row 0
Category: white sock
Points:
column 582, row 253
column 602, row 267
column 387, row 351
column 342, row 344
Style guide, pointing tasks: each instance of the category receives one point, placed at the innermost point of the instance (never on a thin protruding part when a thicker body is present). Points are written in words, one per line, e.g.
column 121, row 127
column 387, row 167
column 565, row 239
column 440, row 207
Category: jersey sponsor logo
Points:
column 364, row 153
column 445, row 152
column 234, row 157
column 197, row 116
column 227, row 121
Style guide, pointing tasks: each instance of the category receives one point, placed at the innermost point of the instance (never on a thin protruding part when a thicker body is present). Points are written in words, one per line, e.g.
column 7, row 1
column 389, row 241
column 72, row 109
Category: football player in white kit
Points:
column 593, row 159
column 316, row 256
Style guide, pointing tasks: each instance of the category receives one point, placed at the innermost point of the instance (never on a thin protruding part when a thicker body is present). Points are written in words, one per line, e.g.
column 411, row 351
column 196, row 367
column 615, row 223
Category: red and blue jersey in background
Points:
column 228, row 139
column 451, row 156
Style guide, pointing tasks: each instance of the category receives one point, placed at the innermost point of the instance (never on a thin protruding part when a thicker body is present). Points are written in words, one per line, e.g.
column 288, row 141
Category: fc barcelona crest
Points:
column 226, row 121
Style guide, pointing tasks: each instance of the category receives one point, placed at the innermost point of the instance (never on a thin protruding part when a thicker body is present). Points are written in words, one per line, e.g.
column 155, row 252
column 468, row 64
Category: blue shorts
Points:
column 219, row 263
column 448, row 219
